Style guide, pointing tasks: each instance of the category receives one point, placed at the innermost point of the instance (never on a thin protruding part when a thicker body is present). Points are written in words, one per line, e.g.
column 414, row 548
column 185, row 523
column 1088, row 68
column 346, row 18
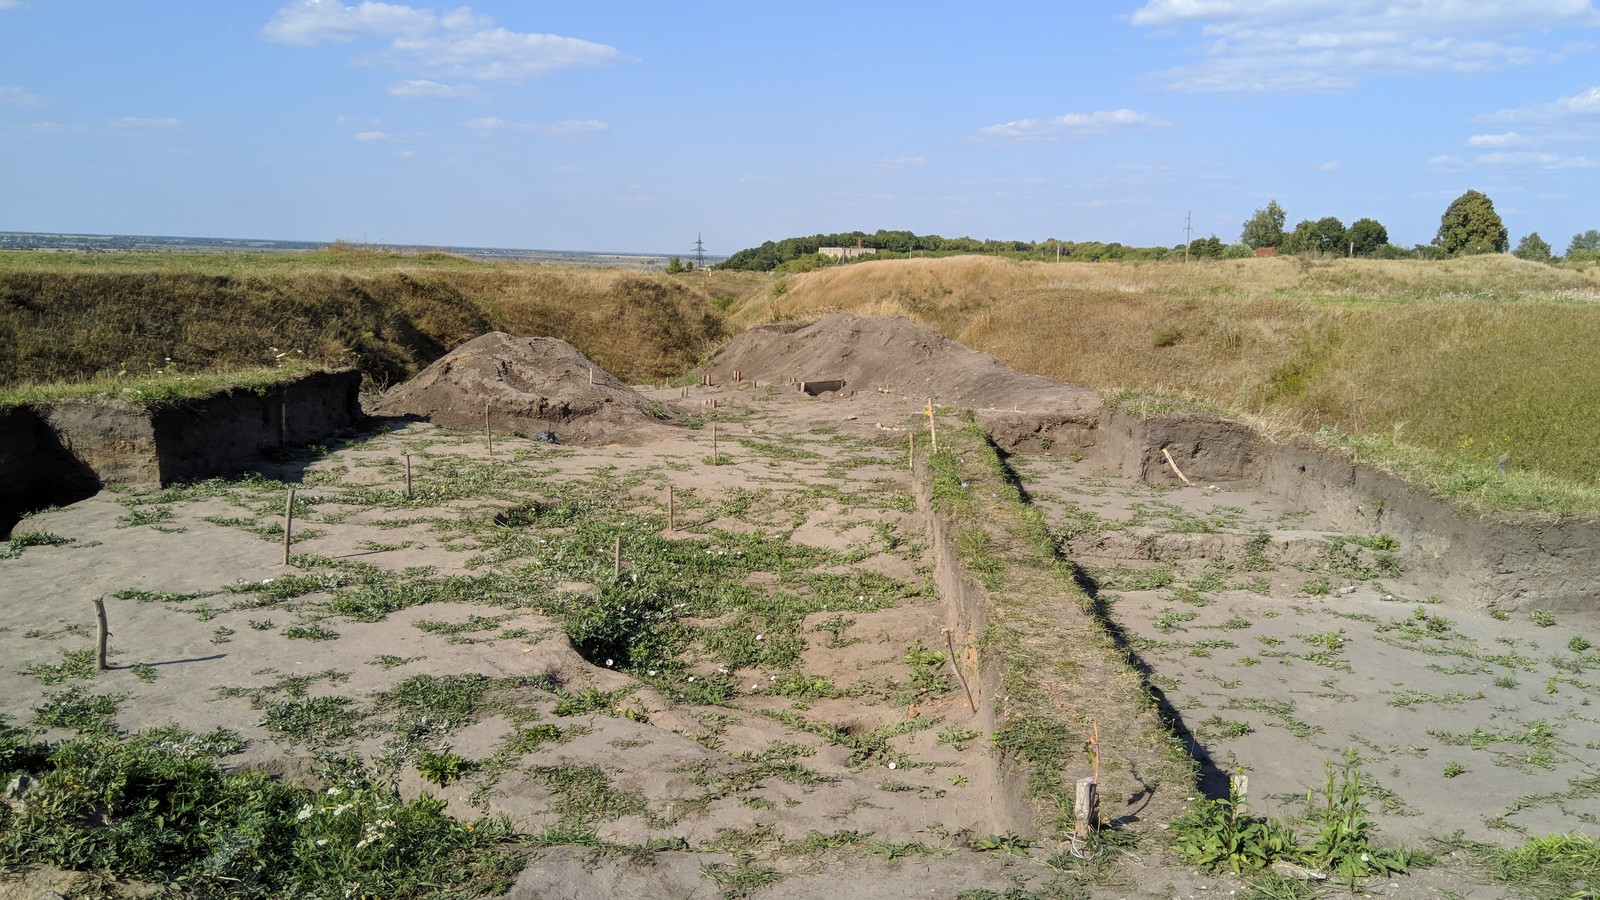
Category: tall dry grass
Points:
column 1474, row 357
column 68, row 318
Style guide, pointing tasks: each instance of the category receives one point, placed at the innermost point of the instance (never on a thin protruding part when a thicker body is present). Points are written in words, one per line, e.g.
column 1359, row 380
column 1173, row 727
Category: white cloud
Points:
column 15, row 96
column 900, row 164
column 1537, row 160
column 1329, row 166
column 1321, row 45
column 571, row 129
column 459, row 43
column 432, row 90
column 1071, row 125
column 367, row 137
column 136, row 123
column 1508, row 139
column 1446, row 162
column 10, row 4
column 1581, row 107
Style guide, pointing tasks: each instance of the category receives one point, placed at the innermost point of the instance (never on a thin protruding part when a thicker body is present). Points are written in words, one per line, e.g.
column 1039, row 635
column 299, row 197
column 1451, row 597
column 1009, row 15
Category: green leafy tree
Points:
column 1585, row 246
column 1366, row 236
column 1264, row 228
column 1532, row 247
column 1325, row 235
column 675, row 265
column 1470, row 225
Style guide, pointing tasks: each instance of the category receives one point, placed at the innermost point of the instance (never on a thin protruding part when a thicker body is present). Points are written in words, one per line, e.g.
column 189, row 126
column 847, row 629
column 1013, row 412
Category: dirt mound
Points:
column 528, row 385
column 897, row 355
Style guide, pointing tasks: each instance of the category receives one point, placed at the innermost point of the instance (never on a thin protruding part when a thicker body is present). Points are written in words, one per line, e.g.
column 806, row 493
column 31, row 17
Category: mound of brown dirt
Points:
column 893, row 354
column 527, row 385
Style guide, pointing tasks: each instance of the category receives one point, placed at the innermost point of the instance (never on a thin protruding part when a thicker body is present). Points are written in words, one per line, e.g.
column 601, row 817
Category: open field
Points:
column 763, row 696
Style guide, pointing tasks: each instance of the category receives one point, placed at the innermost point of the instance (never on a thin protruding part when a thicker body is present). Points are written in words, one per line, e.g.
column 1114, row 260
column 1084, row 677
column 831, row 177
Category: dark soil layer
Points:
column 64, row 451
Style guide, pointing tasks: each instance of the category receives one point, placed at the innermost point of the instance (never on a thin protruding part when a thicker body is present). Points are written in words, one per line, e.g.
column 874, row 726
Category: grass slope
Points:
column 76, row 316
column 1470, row 358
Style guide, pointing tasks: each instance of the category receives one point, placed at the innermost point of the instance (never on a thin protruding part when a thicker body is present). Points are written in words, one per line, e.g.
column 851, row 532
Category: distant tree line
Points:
column 799, row 254
column 1469, row 226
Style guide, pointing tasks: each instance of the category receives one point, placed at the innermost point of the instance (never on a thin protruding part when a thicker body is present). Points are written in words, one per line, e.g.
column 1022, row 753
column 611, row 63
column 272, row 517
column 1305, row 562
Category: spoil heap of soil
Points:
column 528, row 385
column 895, row 355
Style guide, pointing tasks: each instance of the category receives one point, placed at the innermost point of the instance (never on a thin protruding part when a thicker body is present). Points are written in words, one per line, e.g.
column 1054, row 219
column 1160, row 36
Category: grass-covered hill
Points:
column 1467, row 358
column 80, row 316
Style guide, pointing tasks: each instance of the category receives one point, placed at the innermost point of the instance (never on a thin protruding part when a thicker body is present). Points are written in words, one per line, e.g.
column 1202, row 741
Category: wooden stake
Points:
column 408, row 476
column 713, row 443
column 933, row 431
column 288, row 525
column 591, row 374
column 672, row 511
column 616, row 557
column 1086, row 808
column 911, row 450
column 105, row 632
column 488, row 434
column 956, row 664
column 1174, row 465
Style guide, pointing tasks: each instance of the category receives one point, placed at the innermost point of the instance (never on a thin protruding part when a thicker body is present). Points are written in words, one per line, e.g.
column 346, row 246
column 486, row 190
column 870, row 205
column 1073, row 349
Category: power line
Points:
column 699, row 253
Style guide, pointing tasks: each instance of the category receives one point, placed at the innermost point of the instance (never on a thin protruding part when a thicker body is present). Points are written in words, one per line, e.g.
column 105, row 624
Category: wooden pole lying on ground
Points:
column 408, row 476
column 672, row 512
column 616, row 557
column 488, row 435
column 956, row 664
column 1174, row 465
column 105, row 632
column 288, row 525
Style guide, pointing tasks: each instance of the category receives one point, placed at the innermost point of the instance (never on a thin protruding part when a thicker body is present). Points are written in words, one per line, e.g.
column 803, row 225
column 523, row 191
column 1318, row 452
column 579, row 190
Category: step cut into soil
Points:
column 527, row 385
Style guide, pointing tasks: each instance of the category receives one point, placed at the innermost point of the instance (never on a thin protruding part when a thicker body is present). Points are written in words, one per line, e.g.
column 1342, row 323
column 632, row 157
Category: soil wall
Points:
column 1499, row 562
column 968, row 610
column 61, row 452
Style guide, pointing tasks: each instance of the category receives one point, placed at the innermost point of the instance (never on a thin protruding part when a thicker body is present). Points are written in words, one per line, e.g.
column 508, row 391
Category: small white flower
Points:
column 691, row 679
column 609, row 663
column 266, row 581
column 305, row 813
column 754, row 685
column 760, row 637
column 322, row 842
column 652, row 673
column 334, row 792
column 772, row 678
column 892, row 765
column 722, row 670
column 1366, row 858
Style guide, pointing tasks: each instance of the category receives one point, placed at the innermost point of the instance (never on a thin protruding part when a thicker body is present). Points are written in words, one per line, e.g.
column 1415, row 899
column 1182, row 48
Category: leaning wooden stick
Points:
column 911, row 450
column 672, row 512
column 288, row 525
column 933, row 432
column 955, row 664
column 105, row 632
column 1175, row 469
column 488, row 435
column 408, row 476
column 616, row 557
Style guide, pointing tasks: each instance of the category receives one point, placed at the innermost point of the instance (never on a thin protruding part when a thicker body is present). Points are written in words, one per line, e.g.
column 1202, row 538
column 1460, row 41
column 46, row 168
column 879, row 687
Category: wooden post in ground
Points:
column 408, row 476
column 591, row 374
column 488, row 434
column 288, row 525
column 1086, row 808
column 672, row 512
column 713, row 443
column 933, row 430
column 105, row 632
column 616, row 557
column 911, row 450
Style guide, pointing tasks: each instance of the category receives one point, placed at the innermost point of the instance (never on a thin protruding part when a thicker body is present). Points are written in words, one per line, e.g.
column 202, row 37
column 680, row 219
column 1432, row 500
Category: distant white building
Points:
column 847, row 252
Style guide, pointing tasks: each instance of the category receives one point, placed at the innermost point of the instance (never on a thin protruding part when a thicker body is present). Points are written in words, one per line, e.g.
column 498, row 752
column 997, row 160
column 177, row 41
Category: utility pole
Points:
column 699, row 253
column 1188, row 227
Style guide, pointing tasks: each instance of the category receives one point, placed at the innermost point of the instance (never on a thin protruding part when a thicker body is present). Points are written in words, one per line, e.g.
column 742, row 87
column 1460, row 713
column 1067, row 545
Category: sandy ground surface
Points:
column 840, row 760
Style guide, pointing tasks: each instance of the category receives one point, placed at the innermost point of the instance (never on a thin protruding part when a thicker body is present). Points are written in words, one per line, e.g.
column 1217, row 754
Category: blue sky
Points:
column 636, row 126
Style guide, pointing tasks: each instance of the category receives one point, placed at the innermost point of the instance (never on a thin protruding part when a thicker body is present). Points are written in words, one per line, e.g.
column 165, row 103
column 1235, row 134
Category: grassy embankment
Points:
column 1465, row 359
column 117, row 317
